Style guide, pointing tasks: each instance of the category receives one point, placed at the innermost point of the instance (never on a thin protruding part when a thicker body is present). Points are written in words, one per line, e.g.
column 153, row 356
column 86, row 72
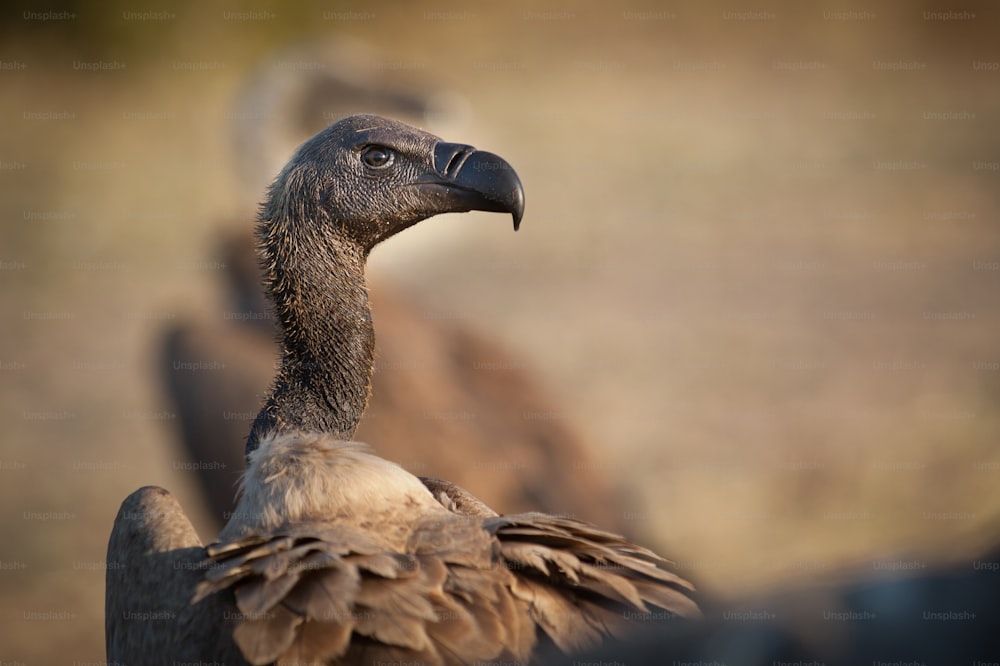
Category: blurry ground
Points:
column 759, row 266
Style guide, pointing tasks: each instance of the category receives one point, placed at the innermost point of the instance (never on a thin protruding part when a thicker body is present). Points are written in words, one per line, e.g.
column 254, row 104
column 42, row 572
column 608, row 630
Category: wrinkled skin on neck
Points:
column 314, row 275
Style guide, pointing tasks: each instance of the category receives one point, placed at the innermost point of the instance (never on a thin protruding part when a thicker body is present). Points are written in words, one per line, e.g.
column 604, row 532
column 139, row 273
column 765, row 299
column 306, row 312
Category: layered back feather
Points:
column 371, row 567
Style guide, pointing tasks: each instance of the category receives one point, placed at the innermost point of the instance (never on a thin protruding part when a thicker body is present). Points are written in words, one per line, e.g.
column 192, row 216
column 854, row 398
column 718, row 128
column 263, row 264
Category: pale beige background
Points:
column 759, row 266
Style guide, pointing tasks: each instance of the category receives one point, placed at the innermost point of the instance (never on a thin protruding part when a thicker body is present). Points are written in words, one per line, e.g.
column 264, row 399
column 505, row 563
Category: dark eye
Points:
column 377, row 157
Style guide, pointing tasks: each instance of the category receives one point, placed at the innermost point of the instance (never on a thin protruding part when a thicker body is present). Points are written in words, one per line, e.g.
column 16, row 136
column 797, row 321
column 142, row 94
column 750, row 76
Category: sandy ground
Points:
column 759, row 266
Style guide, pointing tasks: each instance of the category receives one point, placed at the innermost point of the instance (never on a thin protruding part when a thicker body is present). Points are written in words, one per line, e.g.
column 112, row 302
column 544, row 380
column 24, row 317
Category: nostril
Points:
column 455, row 159
column 449, row 157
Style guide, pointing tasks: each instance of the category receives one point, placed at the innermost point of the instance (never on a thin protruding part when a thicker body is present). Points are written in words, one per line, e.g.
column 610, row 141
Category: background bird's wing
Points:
column 155, row 560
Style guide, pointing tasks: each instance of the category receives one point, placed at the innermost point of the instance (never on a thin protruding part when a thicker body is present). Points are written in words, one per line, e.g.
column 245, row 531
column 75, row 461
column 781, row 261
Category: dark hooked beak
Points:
column 476, row 180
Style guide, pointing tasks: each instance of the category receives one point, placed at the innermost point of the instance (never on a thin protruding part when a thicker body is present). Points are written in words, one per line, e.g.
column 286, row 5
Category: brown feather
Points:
column 265, row 637
column 325, row 595
column 452, row 587
column 318, row 642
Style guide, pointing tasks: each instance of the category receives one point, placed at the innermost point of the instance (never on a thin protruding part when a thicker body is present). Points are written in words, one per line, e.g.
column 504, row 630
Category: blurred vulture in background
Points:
column 435, row 380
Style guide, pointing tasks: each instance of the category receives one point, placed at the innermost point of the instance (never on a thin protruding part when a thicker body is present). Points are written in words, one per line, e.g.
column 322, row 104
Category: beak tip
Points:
column 517, row 201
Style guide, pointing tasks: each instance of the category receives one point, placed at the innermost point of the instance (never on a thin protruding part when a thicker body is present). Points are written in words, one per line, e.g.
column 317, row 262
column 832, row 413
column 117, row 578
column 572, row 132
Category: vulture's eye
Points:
column 377, row 157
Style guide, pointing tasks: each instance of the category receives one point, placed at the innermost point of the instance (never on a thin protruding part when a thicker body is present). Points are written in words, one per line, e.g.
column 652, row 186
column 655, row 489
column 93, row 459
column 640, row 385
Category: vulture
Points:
column 428, row 368
column 333, row 554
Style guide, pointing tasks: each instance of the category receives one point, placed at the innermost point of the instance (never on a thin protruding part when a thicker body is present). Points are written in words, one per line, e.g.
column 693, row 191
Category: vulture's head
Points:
column 371, row 177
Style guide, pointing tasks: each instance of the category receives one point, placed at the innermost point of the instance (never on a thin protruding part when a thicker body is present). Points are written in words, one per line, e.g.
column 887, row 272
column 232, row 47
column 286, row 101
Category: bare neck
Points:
column 317, row 285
